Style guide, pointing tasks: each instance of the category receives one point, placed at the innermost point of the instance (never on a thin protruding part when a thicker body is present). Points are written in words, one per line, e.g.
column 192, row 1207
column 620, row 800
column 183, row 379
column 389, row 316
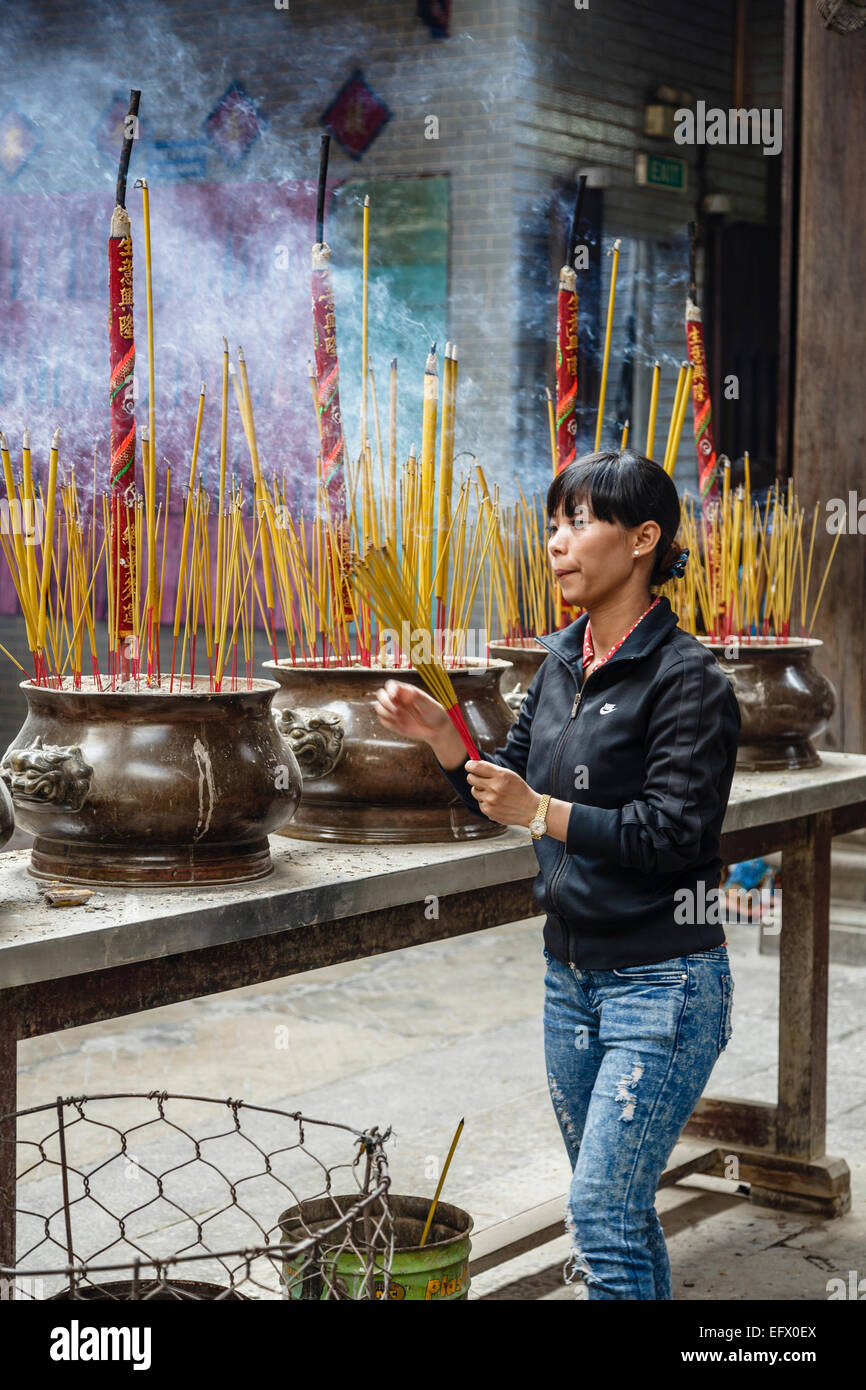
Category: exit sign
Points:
column 661, row 171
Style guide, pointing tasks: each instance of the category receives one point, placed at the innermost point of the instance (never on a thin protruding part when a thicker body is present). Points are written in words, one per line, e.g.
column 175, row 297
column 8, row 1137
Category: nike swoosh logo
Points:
column 606, row 709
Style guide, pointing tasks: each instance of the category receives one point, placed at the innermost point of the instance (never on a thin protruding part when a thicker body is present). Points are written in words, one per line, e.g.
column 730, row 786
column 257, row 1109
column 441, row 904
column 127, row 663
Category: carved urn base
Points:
column 148, row 787
column 525, row 661
column 364, row 784
column 785, row 701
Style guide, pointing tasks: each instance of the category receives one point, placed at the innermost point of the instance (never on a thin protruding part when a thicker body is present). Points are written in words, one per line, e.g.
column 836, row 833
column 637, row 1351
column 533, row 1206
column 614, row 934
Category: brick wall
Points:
column 584, row 77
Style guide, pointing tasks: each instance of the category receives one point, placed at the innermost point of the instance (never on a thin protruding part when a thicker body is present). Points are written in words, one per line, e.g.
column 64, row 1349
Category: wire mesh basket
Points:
column 159, row 1196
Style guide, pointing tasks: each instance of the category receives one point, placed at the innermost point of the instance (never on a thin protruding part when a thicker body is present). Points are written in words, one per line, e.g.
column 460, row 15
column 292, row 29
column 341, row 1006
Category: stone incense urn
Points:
column 525, row 661
column 151, row 787
column 785, row 701
column 364, row 784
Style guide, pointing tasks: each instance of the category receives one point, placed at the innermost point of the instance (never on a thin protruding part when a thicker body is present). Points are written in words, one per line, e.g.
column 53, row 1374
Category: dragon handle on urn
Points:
column 315, row 736
column 47, row 772
column 514, row 699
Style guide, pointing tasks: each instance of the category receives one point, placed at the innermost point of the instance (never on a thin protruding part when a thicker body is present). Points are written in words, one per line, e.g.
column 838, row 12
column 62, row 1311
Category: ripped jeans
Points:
column 628, row 1053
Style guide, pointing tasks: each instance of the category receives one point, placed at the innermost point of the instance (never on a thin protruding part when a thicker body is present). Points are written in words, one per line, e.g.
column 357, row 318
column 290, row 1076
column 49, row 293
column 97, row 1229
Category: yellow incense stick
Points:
column 18, row 542
column 599, row 421
column 29, row 501
column 653, row 411
column 148, row 284
column 224, row 418
column 48, row 539
column 428, row 466
column 189, row 506
column 670, row 463
column 151, row 400
column 392, row 453
column 365, row 290
column 551, row 421
column 377, row 427
column 428, row 1223
column 446, row 471
column 824, row 581
column 6, row 652
column 681, row 377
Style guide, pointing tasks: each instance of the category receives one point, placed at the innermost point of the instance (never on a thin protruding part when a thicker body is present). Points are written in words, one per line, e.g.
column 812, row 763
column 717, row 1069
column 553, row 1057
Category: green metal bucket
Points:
column 437, row 1271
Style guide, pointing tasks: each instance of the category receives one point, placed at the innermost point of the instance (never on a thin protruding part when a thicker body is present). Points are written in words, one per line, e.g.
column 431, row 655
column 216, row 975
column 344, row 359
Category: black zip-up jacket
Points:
column 644, row 748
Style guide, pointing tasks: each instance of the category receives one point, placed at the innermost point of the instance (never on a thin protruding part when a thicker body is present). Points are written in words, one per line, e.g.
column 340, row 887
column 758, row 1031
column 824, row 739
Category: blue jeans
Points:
column 628, row 1053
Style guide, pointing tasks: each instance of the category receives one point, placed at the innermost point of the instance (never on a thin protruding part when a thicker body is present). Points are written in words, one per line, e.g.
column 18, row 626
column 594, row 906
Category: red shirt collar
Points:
column 589, row 650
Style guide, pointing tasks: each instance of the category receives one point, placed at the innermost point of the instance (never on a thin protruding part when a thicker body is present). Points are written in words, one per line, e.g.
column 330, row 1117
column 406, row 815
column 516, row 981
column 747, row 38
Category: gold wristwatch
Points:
column 538, row 824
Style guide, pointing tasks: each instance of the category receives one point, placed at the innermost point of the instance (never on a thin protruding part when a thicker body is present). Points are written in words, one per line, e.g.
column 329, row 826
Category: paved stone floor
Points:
column 418, row 1038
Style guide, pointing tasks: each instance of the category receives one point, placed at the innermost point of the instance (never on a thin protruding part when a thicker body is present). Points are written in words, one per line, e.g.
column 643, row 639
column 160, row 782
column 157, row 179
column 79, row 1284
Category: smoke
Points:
column 231, row 241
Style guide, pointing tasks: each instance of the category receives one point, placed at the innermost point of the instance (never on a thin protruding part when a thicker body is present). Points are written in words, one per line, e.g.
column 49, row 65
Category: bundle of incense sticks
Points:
column 315, row 580
column 381, row 576
column 63, row 576
column 441, row 530
column 527, row 576
column 749, row 568
column 53, row 583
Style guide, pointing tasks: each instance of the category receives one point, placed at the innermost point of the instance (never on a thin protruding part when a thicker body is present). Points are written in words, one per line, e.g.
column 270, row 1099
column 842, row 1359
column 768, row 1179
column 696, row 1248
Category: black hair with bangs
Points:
column 626, row 487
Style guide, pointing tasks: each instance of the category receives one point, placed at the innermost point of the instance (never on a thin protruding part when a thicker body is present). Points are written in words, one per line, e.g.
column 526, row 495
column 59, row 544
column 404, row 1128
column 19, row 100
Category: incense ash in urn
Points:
column 364, row 784
column 151, row 787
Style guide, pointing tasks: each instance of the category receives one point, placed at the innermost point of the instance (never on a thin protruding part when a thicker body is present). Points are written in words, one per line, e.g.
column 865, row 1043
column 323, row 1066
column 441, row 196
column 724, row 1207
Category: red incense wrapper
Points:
column 122, row 403
column 566, row 369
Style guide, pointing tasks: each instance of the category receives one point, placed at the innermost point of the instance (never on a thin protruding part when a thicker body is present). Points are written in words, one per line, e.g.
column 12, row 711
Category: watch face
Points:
column 537, row 827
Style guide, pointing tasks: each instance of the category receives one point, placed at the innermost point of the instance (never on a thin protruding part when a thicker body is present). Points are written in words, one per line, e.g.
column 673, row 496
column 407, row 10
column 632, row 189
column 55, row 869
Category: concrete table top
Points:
column 314, row 883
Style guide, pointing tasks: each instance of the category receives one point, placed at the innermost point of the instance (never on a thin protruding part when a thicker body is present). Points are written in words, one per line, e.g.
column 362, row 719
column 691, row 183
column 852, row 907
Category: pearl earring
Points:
column 634, row 552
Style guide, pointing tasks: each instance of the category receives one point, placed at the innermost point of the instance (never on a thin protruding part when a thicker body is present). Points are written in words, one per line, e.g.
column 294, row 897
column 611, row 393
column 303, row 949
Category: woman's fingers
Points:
column 482, row 770
column 399, row 691
column 408, row 710
column 384, row 700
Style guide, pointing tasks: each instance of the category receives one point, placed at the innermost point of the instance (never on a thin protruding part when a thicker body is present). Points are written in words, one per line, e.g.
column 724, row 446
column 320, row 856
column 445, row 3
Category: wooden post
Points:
column 803, row 958
column 8, row 1160
column 829, row 404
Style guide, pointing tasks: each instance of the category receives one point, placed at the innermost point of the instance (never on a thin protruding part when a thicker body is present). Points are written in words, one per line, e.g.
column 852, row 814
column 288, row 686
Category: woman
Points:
column 620, row 763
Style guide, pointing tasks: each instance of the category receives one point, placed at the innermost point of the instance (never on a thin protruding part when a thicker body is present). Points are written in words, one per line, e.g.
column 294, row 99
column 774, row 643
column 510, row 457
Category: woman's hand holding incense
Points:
column 415, row 714
column 501, row 794
column 507, row 799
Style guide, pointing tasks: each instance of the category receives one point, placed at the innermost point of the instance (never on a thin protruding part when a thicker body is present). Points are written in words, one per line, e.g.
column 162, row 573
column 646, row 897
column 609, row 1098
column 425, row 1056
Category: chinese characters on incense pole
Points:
column 566, row 348
column 327, row 386
column 565, row 426
column 701, row 404
column 122, row 401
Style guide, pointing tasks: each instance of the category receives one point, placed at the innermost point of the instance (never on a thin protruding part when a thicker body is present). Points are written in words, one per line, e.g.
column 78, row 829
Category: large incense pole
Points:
column 328, row 382
column 121, row 392
column 701, row 405
column 702, row 415
column 566, row 348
